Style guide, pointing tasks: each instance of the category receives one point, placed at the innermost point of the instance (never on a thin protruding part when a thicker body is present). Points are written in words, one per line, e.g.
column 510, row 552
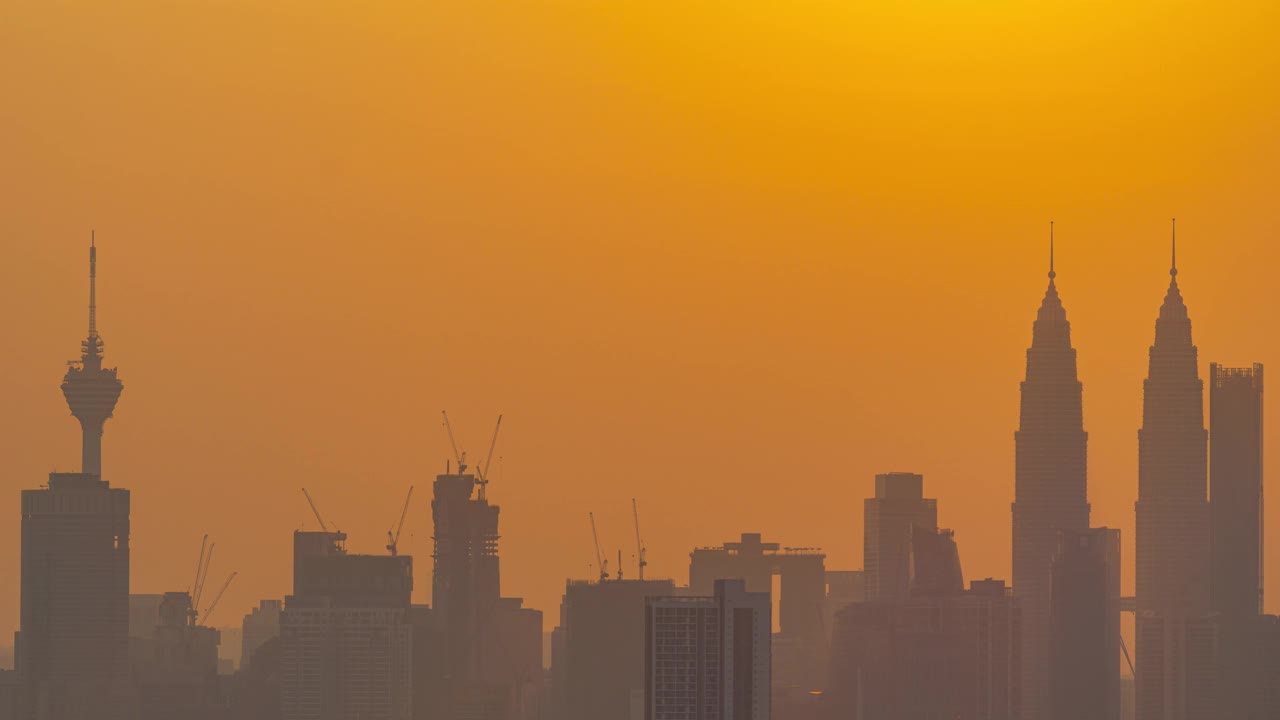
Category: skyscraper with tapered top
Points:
column 72, row 647
column 1050, row 487
column 1175, row 639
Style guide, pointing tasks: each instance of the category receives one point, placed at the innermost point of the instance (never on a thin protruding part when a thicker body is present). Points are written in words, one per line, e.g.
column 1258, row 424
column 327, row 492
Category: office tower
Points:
column 800, row 647
column 260, row 625
column 1084, row 627
column 73, row 643
column 844, row 588
column 598, row 665
column 708, row 658
column 938, row 652
column 1235, row 489
column 1236, row 528
column 346, row 638
column 1050, row 486
column 898, row 506
column 1172, row 538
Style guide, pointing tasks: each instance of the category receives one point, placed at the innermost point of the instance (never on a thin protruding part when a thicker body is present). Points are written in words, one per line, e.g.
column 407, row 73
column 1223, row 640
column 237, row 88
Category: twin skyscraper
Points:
column 1178, row 654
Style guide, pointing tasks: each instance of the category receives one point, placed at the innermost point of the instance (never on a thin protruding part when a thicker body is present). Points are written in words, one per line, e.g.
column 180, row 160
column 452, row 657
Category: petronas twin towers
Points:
column 1051, row 498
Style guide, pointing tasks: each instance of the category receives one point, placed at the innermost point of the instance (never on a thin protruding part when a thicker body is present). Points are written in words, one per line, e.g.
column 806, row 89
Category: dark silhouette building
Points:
column 1176, row 640
column 1236, row 538
column 346, row 638
column 72, row 653
column 940, row 652
column 1084, row 627
column 598, row 669
column 177, row 674
column 260, row 625
column 1050, row 489
column 800, row 646
column 708, row 658
column 899, row 505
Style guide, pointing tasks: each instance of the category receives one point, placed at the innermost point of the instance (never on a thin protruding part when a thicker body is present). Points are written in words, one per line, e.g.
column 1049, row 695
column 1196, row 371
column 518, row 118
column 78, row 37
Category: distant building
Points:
column 144, row 615
column 940, row 652
column 346, row 636
column 708, row 658
column 72, row 651
column 844, row 587
column 801, row 602
column 599, row 654
column 178, row 675
column 1084, row 627
column 1176, row 640
column 260, row 625
column 899, row 505
column 1236, row 542
column 1050, row 492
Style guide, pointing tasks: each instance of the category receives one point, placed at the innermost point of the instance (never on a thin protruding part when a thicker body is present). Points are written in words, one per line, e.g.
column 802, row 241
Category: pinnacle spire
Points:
column 93, row 285
column 1173, row 259
column 1052, row 274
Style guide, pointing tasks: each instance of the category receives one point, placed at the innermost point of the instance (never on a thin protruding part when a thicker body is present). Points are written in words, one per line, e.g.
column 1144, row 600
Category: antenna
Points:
column 461, row 457
column 619, row 563
column 601, row 562
column 640, row 549
column 394, row 538
column 1173, row 260
column 1052, row 274
column 488, row 462
column 93, row 285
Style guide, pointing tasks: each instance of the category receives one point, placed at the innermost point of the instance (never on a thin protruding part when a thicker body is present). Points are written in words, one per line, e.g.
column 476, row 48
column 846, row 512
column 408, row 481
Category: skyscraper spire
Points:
column 1173, row 258
column 90, row 389
column 1052, row 274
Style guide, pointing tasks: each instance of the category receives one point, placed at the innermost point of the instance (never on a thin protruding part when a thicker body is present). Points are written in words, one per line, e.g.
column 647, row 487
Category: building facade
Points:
column 1050, row 484
column 1176, row 639
column 899, row 505
column 1084, row 627
column 260, row 625
column 708, row 658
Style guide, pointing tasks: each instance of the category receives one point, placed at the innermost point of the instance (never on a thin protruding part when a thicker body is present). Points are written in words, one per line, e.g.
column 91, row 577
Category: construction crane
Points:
column 601, row 562
column 640, row 549
column 209, row 610
column 199, row 562
column 488, row 462
column 202, row 577
column 461, row 457
column 619, row 563
column 316, row 510
column 394, row 538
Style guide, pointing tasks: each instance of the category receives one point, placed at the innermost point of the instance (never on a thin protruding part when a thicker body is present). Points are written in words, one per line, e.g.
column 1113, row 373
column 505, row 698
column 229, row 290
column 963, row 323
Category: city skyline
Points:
column 722, row 255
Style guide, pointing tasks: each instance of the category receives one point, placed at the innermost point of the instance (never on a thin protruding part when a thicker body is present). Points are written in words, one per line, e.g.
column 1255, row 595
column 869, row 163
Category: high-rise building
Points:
column 260, row 625
column 801, row 642
column 1236, row 532
column 73, row 643
column 708, row 658
column 346, row 635
column 1235, row 489
column 1172, row 533
column 599, row 665
column 1084, row 627
column 1050, row 492
column 887, row 520
column 939, row 652
column 177, row 672
column 465, row 584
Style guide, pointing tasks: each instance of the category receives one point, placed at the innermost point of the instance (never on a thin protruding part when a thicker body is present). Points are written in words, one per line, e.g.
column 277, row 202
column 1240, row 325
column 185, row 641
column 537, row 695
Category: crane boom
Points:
column 204, row 576
column 488, row 462
column 216, row 598
column 314, row 509
column 601, row 563
column 395, row 537
column 199, row 561
column 461, row 457
column 640, row 549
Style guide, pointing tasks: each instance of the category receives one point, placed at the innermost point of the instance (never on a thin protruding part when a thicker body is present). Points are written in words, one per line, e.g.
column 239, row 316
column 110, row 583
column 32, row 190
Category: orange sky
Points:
column 730, row 258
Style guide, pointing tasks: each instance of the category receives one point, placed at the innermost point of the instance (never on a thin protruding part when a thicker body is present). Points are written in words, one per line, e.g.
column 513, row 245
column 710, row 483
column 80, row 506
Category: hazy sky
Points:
column 730, row 258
